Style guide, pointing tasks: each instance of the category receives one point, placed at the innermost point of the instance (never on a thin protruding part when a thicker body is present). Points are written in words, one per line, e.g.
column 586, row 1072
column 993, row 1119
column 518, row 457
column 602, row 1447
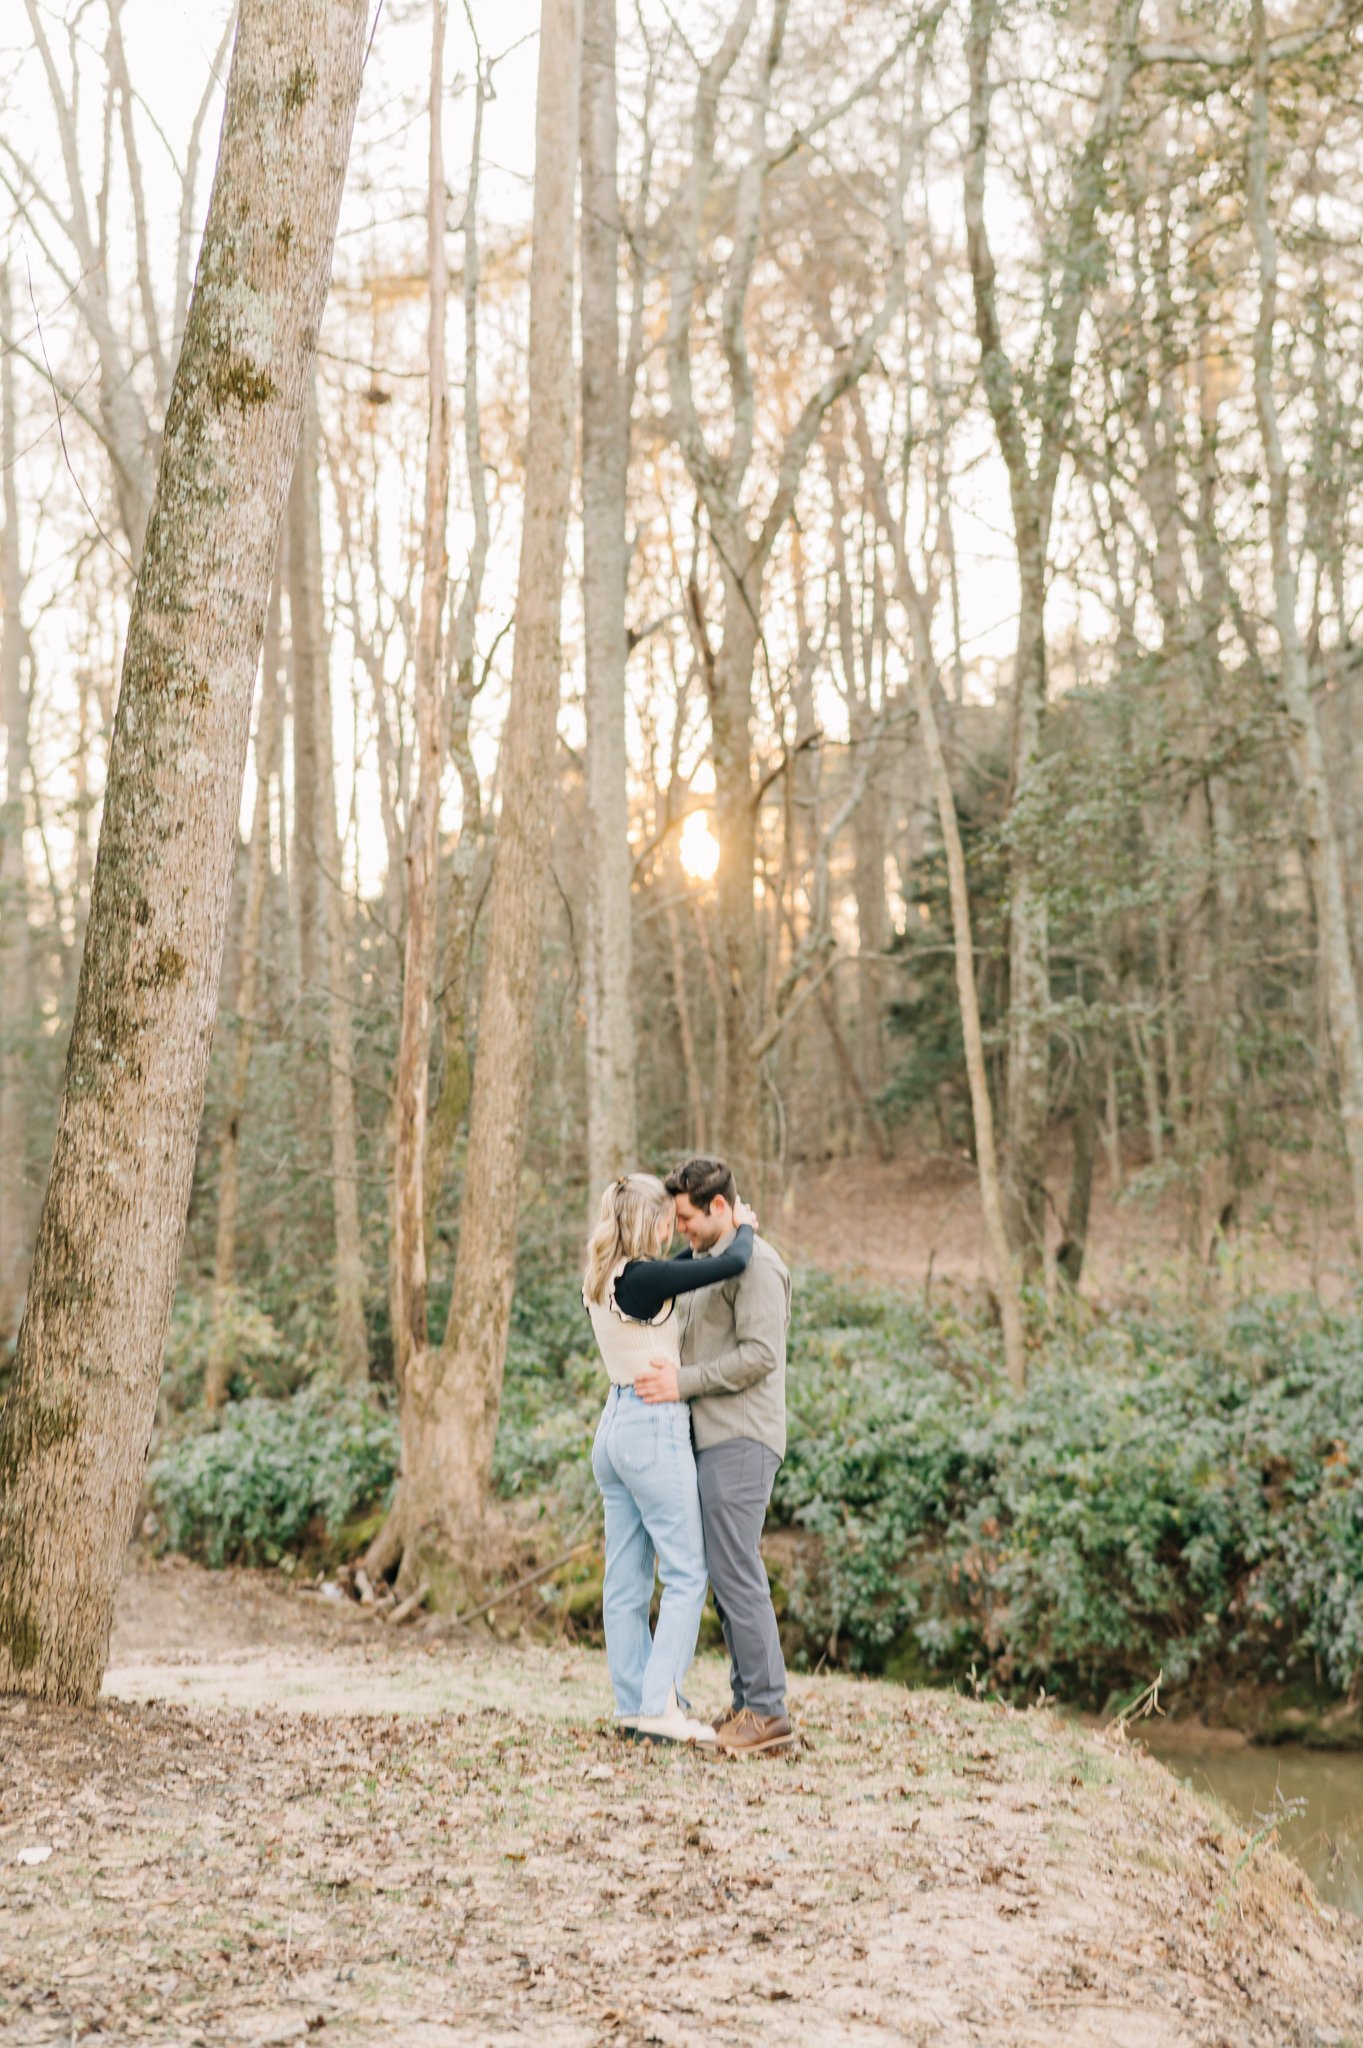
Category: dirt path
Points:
column 284, row 1825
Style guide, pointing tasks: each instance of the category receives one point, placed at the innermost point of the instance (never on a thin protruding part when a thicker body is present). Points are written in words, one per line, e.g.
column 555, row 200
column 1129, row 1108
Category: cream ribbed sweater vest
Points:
column 628, row 1346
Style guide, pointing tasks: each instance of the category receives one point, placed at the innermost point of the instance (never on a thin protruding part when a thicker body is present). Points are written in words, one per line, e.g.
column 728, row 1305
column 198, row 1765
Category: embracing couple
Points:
column 693, row 1433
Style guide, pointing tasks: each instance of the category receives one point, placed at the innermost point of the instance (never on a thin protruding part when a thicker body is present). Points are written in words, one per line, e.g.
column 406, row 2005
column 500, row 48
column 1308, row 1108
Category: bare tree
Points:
column 307, row 630
column 1332, row 913
column 606, row 394
column 927, row 694
column 16, row 692
column 743, row 536
column 77, row 1419
column 410, row 1333
column 74, row 239
column 318, row 860
column 452, row 1393
column 461, row 691
column 1032, row 485
column 269, row 723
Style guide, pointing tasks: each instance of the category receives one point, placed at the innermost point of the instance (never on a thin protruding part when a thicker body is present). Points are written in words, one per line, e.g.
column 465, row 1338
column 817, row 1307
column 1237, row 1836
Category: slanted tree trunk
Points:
column 611, row 1130
column 1322, row 845
column 268, row 729
column 76, row 1423
column 321, row 854
column 16, row 964
column 452, row 1394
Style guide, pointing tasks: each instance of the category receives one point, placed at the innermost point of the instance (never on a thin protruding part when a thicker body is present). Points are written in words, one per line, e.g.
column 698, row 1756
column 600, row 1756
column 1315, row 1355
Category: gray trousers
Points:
column 735, row 1485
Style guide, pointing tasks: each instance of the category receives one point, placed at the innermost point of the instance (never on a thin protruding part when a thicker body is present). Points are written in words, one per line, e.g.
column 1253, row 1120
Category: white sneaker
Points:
column 673, row 1726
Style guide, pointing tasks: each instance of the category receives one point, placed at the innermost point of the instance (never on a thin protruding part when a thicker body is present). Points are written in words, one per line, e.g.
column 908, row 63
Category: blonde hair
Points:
column 631, row 1210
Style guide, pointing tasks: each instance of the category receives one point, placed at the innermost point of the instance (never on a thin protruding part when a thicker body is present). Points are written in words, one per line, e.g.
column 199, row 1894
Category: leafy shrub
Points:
column 269, row 1477
column 261, row 1360
column 1164, row 1495
column 274, row 1476
column 1157, row 1498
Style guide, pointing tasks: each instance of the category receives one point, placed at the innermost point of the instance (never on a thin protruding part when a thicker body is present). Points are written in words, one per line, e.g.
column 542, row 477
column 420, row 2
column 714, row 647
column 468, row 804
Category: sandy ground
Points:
column 287, row 1823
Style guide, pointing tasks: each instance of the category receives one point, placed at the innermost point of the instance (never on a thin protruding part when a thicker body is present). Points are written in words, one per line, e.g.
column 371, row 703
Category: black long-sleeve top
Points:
column 646, row 1285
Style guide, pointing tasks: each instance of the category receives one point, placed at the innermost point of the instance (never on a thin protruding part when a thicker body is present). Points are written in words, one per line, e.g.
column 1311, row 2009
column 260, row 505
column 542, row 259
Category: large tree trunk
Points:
column 452, row 1395
column 611, row 1134
column 1332, row 915
column 218, row 1374
column 77, row 1421
column 16, row 963
column 321, row 854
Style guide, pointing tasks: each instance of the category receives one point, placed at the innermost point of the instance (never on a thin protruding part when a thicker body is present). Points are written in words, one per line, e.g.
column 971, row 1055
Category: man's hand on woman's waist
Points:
column 659, row 1383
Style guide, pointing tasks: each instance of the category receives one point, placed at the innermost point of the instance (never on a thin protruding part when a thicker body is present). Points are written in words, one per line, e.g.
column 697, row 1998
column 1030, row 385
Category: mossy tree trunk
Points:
column 75, row 1427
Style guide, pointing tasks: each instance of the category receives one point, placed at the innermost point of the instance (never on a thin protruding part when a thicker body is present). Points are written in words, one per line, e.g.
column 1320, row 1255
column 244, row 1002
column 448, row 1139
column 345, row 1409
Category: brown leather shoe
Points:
column 750, row 1734
column 729, row 1714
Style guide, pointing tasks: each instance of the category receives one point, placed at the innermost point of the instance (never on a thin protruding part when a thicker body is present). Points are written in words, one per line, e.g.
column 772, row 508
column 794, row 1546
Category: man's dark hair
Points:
column 701, row 1180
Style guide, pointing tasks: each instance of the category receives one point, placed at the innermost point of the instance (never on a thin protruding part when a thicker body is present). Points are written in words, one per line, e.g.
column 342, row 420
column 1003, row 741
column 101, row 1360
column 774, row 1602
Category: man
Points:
column 733, row 1372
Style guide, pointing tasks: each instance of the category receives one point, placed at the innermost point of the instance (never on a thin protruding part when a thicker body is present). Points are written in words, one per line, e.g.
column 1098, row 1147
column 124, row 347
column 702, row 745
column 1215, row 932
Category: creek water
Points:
column 1317, row 1793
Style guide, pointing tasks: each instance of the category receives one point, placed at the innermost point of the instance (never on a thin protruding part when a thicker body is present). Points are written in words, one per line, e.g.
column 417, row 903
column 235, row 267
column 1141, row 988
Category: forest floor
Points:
column 914, row 1221
column 287, row 1822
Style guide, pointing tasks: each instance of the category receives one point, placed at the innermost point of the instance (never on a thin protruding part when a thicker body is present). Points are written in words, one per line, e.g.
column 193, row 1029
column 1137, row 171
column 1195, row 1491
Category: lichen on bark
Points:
column 77, row 1421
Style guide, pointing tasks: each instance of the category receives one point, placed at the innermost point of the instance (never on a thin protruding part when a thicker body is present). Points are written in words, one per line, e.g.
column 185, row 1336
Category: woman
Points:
column 642, row 1456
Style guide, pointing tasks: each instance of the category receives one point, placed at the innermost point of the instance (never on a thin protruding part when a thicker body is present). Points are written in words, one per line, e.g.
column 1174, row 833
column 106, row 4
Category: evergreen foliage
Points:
column 1170, row 1493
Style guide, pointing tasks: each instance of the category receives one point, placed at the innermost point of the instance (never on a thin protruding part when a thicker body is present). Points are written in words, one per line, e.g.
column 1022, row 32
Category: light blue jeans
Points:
column 646, row 1469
